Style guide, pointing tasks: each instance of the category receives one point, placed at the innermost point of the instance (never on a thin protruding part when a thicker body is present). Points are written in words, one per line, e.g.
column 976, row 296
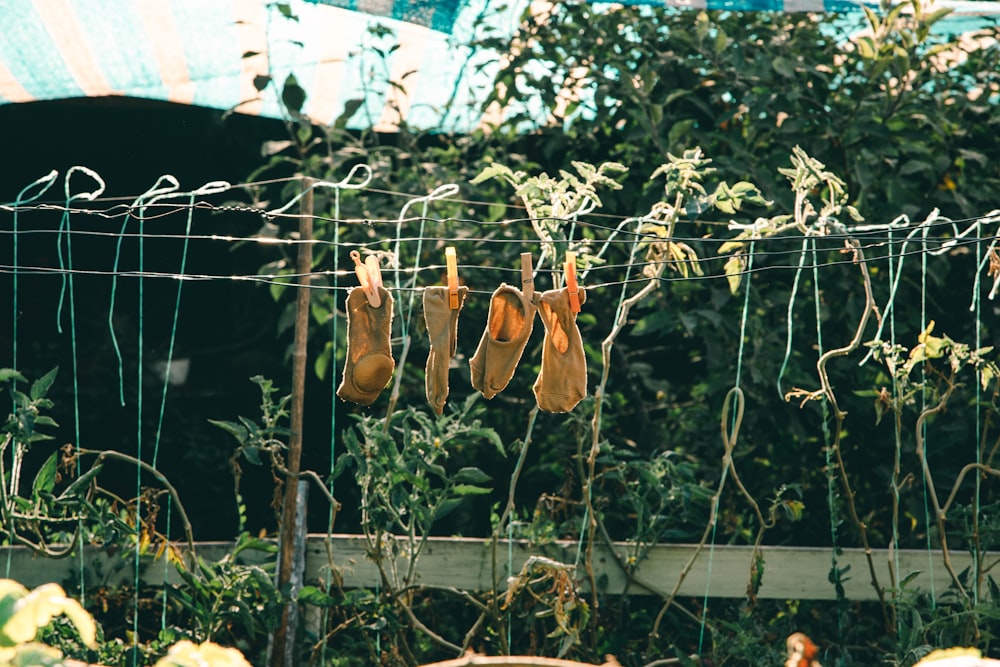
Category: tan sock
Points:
column 442, row 330
column 507, row 331
column 562, row 382
column 369, row 364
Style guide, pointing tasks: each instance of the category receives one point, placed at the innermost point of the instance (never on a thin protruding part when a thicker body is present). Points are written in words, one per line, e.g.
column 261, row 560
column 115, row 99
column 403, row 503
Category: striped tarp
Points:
column 212, row 52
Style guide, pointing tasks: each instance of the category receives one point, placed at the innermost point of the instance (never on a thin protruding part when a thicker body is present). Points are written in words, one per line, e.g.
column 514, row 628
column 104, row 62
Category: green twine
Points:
column 328, row 575
column 894, row 282
column 980, row 267
column 345, row 184
column 977, row 303
column 831, row 482
column 146, row 196
column 166, row 383
column 173, row 329
column 405, row 324
column 725, row 469
column 438, row 193
column 981, row 260
column 510, row 521
column 897, row 436
column 923, row 406
column 597, row 426
column 111, row 310
column 791, row 308
column 46, row 182
column 66, row 268
column 138, row 439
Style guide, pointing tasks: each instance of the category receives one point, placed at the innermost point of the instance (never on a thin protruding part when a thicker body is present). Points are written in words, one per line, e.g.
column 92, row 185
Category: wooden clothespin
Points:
column 527, row 277
column 369, row 276
column 571, row 287
column 451, row 259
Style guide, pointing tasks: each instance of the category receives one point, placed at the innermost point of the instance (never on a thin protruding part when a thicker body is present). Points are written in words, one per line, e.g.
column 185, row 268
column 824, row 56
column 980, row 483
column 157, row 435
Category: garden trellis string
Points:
column 44, row 183
column 145, row 207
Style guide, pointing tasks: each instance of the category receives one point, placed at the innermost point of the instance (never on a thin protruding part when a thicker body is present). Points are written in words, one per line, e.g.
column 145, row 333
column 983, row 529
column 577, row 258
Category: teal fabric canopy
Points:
column 343, row 53
column 214, row 54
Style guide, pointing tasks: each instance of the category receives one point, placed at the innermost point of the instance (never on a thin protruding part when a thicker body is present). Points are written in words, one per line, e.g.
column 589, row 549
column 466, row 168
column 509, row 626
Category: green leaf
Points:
column 261, row 81
column 317, row 598
column 286, row 10
column 234, row 429
column 323, row 360
column 350, row 108
column 7, row 374
column 471, row 476
column 679, row 129
column 252, row 455
column 446, row 507
column 293, row 96
column 41, row 386
column 784, row 67
column 81, row 481
column 866, row 48
column 470, row 490
column 45, row 480
column 914, row 166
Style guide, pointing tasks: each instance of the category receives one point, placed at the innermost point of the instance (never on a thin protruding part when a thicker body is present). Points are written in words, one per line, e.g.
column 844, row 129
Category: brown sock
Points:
column 507, row 332
column 369, row 364
column 562, row 382
column 442, row 330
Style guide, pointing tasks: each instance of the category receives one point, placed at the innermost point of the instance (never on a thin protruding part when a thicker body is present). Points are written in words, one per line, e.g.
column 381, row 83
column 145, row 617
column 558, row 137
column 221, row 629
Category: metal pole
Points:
column 282, row 652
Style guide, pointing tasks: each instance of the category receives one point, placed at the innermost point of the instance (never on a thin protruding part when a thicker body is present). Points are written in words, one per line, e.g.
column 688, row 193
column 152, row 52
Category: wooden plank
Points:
column 789, row 572
column 466, row 564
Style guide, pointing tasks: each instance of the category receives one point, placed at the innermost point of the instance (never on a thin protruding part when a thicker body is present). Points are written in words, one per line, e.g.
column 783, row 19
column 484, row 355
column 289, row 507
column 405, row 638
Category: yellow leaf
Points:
column 186, row 653
column 985, row 376
column 734, row 270
column 934, row 346
column 730, row 246
column 950, row 654
column 36, row 609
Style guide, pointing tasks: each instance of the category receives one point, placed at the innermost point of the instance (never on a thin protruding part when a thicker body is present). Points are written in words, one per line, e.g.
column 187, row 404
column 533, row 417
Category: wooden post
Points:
column 283, row 640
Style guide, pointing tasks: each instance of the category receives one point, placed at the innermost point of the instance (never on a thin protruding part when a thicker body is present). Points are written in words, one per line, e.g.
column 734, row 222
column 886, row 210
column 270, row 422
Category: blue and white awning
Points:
column 211, row 53
column 214, row 53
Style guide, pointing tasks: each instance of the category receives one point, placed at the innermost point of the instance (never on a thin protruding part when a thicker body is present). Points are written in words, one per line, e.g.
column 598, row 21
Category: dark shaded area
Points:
column 225, row 328
column 130, row 142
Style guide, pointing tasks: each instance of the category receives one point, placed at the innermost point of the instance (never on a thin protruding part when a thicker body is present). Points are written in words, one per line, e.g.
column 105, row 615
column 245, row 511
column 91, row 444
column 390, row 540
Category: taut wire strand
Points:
column 347, row 183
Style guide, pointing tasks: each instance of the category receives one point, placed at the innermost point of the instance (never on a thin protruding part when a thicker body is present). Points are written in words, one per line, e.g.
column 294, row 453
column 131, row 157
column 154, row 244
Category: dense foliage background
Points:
column 895, row 116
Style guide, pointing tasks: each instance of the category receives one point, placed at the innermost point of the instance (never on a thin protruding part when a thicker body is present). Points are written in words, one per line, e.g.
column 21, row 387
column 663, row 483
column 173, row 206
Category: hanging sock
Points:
column 562, row 382
column 369, row 364
column 507, row 332
column 442, row 330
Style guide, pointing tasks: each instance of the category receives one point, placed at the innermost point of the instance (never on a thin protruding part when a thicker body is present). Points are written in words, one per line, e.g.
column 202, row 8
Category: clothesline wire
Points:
column 171, row 208
column 408, row 195
column 944, row 244
column 623, row 236
column 464, row 269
